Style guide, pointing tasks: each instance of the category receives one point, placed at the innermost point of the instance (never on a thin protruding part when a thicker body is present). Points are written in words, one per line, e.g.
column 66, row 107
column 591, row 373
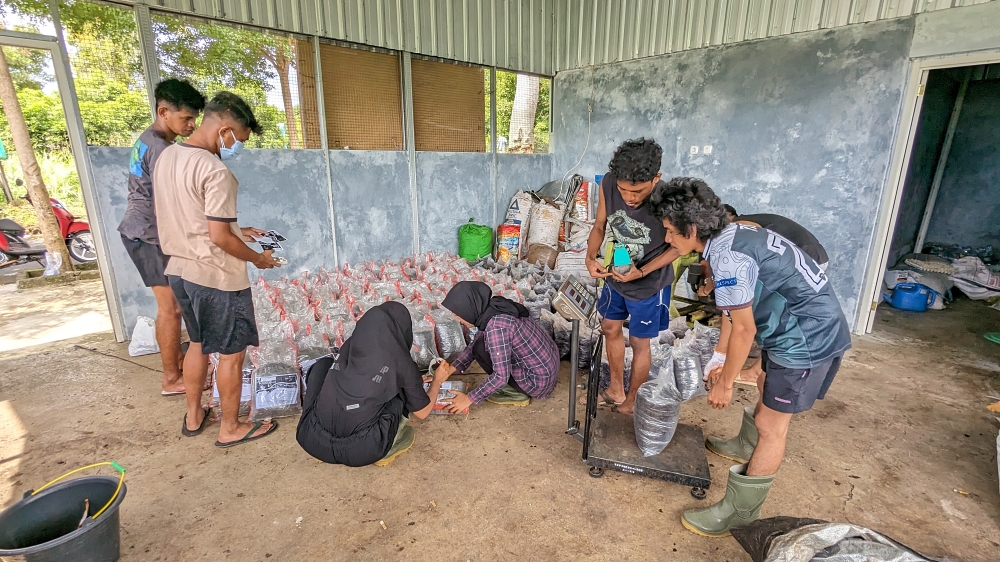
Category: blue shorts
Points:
column 648, row 316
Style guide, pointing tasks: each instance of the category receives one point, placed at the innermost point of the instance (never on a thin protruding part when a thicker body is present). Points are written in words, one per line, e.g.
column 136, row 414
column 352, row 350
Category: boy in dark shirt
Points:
column 788, row 228
column 178, row 104
column 642, row 293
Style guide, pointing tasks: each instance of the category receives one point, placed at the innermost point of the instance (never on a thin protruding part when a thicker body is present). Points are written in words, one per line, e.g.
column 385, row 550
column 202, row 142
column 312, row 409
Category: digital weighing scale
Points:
column 609, row 439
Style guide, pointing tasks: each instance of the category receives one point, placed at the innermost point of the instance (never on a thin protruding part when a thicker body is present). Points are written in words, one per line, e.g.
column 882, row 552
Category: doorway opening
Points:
column 942, row 264
column 41, row 311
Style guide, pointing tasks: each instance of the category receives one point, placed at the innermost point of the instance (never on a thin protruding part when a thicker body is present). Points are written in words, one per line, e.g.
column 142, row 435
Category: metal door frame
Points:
column 78, row 147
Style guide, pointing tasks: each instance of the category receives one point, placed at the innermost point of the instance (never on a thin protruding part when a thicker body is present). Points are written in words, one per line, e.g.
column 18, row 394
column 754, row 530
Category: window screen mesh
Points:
column 448, row 107
column 260, row 67
column 362, row 98
column 308, row 106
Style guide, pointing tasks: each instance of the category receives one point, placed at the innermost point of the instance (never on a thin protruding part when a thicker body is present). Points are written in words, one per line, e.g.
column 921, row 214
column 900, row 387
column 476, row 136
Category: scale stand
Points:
column 609, row 439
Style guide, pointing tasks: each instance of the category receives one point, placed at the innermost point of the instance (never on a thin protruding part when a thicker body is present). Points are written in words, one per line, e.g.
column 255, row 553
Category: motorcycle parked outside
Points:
column 16, row 248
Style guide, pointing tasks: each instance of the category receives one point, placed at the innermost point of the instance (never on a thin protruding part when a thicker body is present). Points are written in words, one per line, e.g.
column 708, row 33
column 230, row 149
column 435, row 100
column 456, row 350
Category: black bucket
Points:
column 46, row 527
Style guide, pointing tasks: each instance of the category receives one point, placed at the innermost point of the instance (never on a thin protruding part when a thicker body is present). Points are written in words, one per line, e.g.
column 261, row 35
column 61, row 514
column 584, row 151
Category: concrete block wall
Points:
column 801, row 126
column 287, row 190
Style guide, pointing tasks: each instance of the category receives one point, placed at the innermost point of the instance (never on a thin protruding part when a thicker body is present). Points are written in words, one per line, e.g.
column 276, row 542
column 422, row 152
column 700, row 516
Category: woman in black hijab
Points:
column 521, row 359
column 356, row 404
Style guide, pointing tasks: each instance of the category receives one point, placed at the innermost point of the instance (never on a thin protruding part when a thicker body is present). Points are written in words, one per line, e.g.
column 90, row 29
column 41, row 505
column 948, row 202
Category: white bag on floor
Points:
column 143, row 338
column 975, row 279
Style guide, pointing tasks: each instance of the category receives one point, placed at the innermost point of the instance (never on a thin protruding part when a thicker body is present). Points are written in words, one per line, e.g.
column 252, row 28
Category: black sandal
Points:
column 192, row 432
column 247, row 438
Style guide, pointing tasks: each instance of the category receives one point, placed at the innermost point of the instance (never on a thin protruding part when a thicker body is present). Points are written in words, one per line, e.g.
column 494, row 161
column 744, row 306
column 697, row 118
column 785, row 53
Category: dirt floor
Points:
column 48, row 314
column 903, row 444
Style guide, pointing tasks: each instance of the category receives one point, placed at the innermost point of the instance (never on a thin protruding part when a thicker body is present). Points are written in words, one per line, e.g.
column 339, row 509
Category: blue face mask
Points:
column 231, row 152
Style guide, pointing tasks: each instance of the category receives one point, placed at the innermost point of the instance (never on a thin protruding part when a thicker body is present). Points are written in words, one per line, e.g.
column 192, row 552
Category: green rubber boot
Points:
column 401, row 444
column 507, row 396
column 739, row 507
column 739, row 448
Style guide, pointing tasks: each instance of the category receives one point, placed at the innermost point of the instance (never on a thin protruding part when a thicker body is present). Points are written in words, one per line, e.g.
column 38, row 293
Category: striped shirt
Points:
column 520, row 350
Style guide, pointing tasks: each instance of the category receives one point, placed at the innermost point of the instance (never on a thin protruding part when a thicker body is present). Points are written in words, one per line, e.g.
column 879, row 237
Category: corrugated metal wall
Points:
column 592, row 32
column 545, row 36
column 510, row 34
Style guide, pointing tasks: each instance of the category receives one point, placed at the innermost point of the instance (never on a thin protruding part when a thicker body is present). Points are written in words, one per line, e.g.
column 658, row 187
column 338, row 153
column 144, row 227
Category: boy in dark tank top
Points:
column 640, row 293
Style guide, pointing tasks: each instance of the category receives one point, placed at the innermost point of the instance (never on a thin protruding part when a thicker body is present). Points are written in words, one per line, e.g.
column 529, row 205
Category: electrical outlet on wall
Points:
column 707, row 149
column 694, row 150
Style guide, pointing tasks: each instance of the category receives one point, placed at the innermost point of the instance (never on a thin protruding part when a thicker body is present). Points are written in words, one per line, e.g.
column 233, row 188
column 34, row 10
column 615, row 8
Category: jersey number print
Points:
column 803, row 264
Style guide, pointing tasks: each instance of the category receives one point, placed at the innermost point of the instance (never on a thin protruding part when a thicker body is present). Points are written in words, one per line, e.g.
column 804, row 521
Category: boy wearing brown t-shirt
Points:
column 207, row 271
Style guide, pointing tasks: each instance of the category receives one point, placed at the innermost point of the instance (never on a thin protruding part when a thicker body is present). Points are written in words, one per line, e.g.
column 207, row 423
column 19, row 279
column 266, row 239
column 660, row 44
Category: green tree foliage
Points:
column 506, row 88
column 27, row 66
column 107, row 68
column 219, row 57
column 107, row 71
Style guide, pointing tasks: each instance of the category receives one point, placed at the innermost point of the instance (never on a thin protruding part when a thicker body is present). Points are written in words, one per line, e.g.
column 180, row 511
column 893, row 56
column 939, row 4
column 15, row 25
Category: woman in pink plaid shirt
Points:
column 522, row 361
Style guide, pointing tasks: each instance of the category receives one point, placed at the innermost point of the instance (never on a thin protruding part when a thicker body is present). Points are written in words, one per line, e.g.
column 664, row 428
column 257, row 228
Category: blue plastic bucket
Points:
column 911, row 296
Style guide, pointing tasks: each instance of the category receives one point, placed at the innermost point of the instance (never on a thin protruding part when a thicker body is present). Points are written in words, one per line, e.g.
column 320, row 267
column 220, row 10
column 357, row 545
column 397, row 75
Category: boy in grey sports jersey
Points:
column 770, row 291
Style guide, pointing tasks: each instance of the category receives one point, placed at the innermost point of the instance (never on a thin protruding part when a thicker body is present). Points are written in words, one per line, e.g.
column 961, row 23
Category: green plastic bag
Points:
column 474, row 241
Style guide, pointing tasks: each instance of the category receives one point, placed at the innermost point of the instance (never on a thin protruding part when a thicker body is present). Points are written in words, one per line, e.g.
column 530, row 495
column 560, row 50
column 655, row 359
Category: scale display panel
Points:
column 574, row 301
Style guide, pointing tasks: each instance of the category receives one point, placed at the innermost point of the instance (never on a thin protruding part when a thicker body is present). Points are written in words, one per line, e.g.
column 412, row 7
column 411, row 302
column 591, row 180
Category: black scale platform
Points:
column 609, row 439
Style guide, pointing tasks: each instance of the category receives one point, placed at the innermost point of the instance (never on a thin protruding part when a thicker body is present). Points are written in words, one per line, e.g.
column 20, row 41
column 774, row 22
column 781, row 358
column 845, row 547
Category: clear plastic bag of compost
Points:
column 330, row 305
column 547, row 320
column 275, row 392
column 245, row 393
column 449, row 334
column 661, row 364
column 275, row 332
column 562, row 332
column 312, row 344
column 280, row 351
column 687, row 373
column 470, row 335
column 679, row 327
column 424, row 349
column 536, row 305
column 706, row 338
column 296, row 302
column 667, row 337
column 604, row 381
column 657, row 410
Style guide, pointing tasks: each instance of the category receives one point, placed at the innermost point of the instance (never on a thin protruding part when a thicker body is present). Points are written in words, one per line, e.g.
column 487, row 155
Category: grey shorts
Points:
column 221, row 321
column 795, row 390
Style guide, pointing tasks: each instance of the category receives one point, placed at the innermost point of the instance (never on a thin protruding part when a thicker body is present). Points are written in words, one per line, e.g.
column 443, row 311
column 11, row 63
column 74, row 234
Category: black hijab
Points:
column 473, row 301
column 379, row 347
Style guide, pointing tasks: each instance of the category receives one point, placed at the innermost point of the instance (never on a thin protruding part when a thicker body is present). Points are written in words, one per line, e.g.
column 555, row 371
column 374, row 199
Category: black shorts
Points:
column 149, row 260
column 221, row 321
column 795, row 390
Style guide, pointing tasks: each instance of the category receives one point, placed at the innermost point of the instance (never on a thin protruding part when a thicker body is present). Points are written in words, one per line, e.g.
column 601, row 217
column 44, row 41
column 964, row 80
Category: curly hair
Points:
column 687, row 203
column 636, row 160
